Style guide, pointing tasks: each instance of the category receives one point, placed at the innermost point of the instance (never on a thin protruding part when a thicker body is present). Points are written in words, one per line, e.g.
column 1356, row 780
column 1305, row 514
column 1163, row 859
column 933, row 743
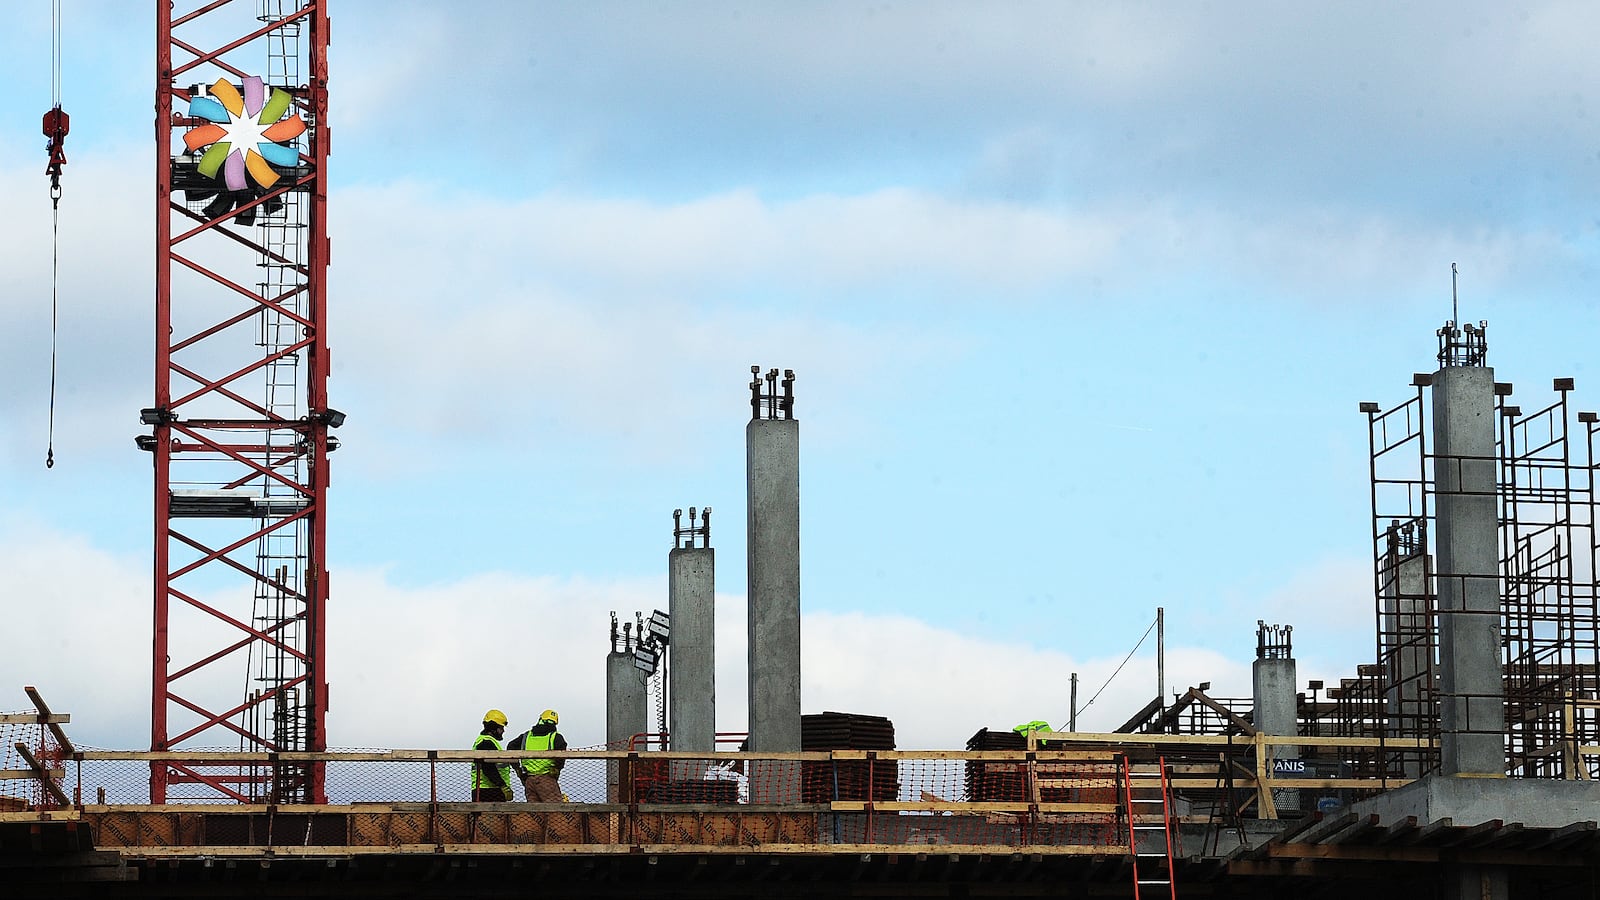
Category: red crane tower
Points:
column 239, row 430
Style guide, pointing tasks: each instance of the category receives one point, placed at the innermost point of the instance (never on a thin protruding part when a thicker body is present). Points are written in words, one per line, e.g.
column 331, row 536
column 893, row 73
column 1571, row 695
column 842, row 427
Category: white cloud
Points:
column 631, row 322
column 89, row 652
column 415, row 667
column 940, row 687
column 829, row 245
column 1329, row 604
column 636, row 321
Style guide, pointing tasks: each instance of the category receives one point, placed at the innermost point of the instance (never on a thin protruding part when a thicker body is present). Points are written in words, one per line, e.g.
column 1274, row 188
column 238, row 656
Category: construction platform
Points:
column 1059, row 822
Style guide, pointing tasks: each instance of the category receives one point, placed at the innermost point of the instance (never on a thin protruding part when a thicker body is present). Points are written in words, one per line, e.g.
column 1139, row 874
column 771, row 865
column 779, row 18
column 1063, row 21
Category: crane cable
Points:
column 55, row 127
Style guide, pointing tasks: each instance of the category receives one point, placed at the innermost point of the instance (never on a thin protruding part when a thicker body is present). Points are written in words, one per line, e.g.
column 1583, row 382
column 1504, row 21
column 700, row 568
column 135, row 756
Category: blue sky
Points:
column 1082, row 299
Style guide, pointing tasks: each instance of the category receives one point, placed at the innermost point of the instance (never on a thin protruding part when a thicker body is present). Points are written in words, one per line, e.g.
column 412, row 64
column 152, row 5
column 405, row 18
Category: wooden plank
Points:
column 1213, row 740
column 1310, row 741
column 1120, row 739
column 454, row 755
column 954, row 807
column 44, row 712
column 748, row 850
column 34, row 719
column 1368, row 784
column 223, row 809
column 14, row 774
column 1084, row 749
column 41, row 815
column 1107, row 755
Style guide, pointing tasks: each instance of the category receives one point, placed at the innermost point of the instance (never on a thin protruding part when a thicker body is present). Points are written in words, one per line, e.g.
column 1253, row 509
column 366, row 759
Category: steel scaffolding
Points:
column 1549, row 622
column 1547, row 552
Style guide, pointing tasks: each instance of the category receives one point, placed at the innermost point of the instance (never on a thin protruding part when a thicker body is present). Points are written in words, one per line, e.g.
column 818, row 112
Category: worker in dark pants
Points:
column 541, row 777
column 491, row 782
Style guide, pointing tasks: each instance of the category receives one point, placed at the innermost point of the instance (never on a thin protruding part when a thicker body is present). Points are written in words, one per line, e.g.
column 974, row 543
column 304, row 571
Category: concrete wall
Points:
column 1472, row 708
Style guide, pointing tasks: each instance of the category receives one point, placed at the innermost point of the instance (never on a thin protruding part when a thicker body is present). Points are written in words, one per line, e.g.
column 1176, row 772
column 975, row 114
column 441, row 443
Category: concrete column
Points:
column 772, row 469
column 1471, row 684
column 1407, row 626
column 692, row 686
column 1273, row 680
column 627, row 712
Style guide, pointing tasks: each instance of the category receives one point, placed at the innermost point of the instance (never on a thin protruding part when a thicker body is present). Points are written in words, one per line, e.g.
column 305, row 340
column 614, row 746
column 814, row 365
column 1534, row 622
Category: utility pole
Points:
column 1072, row 722
column 1161, row 658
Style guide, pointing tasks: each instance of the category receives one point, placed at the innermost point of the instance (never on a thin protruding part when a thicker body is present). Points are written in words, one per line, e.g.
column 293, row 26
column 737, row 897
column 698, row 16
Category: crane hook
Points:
column 56, row 125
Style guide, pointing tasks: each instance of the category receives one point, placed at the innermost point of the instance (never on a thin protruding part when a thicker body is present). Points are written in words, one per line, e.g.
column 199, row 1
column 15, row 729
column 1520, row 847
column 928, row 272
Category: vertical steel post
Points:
column 317, row 400
column 162, row 454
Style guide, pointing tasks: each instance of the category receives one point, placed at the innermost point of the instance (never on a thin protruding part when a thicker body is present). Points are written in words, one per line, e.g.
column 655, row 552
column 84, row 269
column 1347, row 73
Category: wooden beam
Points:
column 1344, row 851
column 33, row 719
column 1108, row 809
column 1414, row 854
column 1106, row 747
column 55, row 727
column 1399, row 831
column 1565, row 835
column 1232, row 717
column 1308, row 868
column 1000, row 851
column 1215, row 740
column 42, row 815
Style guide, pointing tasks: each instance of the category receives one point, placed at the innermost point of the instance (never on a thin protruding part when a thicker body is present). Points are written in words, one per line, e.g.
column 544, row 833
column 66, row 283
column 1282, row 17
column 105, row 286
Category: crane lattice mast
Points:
column 239, row 432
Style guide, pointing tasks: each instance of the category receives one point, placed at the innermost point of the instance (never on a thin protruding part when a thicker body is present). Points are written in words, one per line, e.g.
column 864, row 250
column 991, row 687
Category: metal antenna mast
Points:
column 1455, row 311
column 239, row 431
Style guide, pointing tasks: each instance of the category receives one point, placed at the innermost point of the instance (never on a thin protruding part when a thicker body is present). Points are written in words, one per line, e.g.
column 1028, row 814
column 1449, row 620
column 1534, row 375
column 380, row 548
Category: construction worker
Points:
column 491, row 782
column 541, row 777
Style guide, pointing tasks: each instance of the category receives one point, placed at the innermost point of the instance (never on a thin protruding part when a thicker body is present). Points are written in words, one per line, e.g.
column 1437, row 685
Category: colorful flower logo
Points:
column 250, row 133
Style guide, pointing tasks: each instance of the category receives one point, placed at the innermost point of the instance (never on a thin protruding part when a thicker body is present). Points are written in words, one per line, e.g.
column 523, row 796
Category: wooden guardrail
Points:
column 1067, row 760
column 1261, row 750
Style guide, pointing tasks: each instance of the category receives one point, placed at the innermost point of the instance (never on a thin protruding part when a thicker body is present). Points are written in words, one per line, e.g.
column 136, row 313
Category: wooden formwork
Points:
column 146, row 828
column 723, row 828
column 488, row 824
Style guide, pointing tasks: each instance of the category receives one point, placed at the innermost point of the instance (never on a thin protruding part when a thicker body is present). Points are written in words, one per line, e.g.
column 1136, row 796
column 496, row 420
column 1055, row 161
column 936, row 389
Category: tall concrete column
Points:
column 1471, row 683
column 691, row 590
column 1273, row 680
column 627, row 703
column 772, row 467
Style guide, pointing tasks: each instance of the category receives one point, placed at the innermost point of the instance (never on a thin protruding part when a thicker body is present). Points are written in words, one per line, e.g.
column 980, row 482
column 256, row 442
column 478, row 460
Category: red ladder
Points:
column 1149, row 829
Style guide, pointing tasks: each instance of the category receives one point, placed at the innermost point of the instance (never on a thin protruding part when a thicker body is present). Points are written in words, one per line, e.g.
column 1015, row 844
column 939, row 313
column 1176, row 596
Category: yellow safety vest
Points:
column 504, row 771
column 538, row 742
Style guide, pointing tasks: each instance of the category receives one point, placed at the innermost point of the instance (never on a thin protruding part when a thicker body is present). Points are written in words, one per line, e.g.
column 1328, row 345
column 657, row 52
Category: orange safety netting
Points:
column 26, row 791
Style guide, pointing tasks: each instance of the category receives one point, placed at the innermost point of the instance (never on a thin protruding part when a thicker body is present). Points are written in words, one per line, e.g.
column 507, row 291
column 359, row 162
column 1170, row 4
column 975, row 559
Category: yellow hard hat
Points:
column 495, row 716
column 550, row 716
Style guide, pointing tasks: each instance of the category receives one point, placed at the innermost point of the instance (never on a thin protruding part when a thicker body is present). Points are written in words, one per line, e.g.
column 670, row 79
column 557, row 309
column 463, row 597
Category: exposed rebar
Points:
column 766, row 400
column 683, row 536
